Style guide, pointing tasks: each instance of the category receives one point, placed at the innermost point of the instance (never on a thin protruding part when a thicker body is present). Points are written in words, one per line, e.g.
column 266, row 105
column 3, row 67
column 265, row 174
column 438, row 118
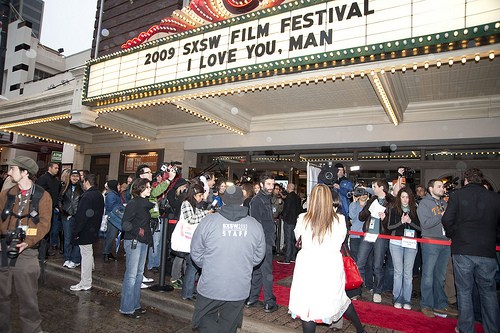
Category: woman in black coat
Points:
column 138, row 236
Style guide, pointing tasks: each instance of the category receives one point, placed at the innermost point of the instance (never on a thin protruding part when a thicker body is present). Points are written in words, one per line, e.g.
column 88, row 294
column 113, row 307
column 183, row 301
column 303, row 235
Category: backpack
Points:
column 35, row 197
column 115, row 217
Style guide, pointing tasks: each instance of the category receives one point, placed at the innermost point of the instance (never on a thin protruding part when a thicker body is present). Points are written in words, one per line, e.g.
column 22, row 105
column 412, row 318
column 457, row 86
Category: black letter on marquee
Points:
column 354, row 11
column 368, row 11
column 323, row 37
column 285, row 23
column 340, row 14
column 263, row 30
column 295, row 44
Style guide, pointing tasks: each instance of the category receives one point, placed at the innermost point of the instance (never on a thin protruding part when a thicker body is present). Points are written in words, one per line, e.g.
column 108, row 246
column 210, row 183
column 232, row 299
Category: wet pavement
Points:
column 97, row 310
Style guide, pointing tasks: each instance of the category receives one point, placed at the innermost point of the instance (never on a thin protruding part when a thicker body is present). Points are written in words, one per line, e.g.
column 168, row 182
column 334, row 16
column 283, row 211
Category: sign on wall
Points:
column 132, row 161
column 295, row 29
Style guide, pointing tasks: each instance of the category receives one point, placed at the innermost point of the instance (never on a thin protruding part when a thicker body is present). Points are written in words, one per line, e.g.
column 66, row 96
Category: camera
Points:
column 328, row 175
column 13, row 238
column 407, row 172
column 357, row 192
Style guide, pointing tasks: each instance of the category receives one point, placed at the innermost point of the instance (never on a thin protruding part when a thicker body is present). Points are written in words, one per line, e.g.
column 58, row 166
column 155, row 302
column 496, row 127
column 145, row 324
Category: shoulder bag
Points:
column 352, row 277
column 182, row 235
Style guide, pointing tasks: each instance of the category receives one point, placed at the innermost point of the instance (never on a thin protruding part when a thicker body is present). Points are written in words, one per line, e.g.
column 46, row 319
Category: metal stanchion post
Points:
column 162, row 287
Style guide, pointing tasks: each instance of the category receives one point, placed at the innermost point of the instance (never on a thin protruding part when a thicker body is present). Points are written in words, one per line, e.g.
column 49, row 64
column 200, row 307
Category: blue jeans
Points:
column 111, row 234
column 71, row 252
column 388, row 272
column 379, row 248
column 189, row 279
column 55, row 227
column 154, row 257
column 131, row 290
column 481, row 270
column 435, row 260
column 354, row 244
column 403, row 259
column 290, row 249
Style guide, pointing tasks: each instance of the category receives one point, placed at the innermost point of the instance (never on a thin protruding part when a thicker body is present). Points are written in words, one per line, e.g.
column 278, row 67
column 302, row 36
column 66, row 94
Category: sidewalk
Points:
column 110, row 276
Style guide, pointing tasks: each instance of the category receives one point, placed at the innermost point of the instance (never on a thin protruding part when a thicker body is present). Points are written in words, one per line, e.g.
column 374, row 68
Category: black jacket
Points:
column 52, row 185
column 472, row 220
column 68, row 201
column 292, row 208
column 262, row 210
column 398, row 228
column 137, row 217
column 365, row 214
column 88, row 217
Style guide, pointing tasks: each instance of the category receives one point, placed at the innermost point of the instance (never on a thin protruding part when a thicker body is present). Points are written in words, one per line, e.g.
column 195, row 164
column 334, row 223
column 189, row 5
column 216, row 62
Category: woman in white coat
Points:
column 318, row 293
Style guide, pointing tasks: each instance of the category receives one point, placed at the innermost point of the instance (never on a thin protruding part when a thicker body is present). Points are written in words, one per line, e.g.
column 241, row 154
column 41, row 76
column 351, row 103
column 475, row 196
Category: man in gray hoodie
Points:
column 226, row 246
column 435, row 257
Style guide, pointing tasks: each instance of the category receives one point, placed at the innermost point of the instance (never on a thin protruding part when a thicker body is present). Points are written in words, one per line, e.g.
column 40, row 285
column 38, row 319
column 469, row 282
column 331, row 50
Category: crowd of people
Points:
column 398, row 233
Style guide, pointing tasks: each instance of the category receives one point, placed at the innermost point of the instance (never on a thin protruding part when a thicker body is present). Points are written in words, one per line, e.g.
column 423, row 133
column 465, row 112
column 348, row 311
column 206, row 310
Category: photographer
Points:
column 342, row 186
column 25, row 220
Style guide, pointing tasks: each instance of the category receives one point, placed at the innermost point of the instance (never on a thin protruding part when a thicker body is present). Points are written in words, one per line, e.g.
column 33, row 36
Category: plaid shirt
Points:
column 191, row 215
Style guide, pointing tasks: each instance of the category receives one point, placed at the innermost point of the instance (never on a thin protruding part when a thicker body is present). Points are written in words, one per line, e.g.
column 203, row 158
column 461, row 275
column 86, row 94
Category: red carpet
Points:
column 376, row 314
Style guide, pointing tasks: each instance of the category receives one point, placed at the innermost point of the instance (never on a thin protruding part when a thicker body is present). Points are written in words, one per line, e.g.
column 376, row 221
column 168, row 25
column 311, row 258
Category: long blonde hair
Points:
column 321, row 215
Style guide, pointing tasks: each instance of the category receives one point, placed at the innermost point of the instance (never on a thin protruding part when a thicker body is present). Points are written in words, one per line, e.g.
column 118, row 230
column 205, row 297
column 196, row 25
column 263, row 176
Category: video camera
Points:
column 407, row 172
column 13, row 238
column 328, row 175
column 357, row 192
column 167, row 166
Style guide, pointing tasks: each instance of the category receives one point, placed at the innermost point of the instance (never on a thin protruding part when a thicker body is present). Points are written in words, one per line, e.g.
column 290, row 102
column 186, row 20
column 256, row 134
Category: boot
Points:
column 111, row 256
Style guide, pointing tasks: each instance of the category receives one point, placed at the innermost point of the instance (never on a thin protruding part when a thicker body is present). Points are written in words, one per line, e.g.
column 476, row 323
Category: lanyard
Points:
column 25, row 200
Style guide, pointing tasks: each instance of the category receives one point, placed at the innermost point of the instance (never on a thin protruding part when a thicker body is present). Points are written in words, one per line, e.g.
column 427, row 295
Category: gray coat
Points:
column 227, row 245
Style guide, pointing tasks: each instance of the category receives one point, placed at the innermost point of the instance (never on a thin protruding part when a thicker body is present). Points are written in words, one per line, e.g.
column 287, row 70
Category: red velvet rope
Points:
column 421, row 240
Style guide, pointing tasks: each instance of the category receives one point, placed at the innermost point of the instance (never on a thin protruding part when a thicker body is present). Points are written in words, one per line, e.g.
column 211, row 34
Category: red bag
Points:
column 352, row 277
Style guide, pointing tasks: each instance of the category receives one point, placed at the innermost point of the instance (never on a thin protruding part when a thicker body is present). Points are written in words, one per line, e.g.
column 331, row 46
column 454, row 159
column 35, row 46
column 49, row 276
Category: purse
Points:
column 182, row 235
column 352, row 277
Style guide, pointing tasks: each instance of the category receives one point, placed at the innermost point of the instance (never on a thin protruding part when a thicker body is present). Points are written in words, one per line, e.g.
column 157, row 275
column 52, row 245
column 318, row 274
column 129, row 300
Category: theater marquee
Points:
column 291, row 34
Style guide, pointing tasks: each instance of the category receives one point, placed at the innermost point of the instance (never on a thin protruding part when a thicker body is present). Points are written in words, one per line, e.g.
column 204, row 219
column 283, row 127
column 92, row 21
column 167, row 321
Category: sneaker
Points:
column 456, row 329
column 377, row 298
column 76, row 264
column 71, row 265
column 177, row 284
column 66, row 263
column 407, row 307
column 428, row 312
column 78, row 287
column 144, row 286
column 146, row 279
column 284, row 262
column 447, row 311
column 398, row 305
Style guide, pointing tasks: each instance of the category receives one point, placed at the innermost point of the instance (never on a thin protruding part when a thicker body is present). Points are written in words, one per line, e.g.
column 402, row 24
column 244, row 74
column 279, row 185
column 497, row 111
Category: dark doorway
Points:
column 99, row 166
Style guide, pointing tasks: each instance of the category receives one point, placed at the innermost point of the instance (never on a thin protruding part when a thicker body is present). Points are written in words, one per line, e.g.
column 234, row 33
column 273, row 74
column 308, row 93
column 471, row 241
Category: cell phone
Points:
column 134, row 244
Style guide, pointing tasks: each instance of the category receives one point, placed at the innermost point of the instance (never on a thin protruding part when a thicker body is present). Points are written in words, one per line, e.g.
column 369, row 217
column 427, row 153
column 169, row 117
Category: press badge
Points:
column 409, row 233
column 372, row 223
column 409, row 243
column 155, row 208
column 372, row 238
column 31, row 232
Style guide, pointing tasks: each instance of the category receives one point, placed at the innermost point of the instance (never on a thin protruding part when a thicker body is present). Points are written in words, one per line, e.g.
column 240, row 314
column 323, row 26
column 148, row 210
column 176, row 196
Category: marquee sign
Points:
column 287, row 35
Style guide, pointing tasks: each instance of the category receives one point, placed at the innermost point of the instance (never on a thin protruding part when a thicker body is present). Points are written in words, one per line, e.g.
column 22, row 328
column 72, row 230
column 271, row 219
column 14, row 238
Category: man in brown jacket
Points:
column 26, row 211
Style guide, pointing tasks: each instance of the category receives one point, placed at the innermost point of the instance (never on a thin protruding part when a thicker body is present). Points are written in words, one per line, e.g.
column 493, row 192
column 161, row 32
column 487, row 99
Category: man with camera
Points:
column 25, row 220
column 169, row 173
column 343, row 186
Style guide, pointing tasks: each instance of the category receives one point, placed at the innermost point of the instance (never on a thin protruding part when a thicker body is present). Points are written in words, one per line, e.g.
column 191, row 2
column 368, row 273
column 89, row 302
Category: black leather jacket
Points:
column 68, row 202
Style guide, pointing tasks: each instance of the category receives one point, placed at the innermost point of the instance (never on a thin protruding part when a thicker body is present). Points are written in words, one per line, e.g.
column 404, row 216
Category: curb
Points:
column 179, row 308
